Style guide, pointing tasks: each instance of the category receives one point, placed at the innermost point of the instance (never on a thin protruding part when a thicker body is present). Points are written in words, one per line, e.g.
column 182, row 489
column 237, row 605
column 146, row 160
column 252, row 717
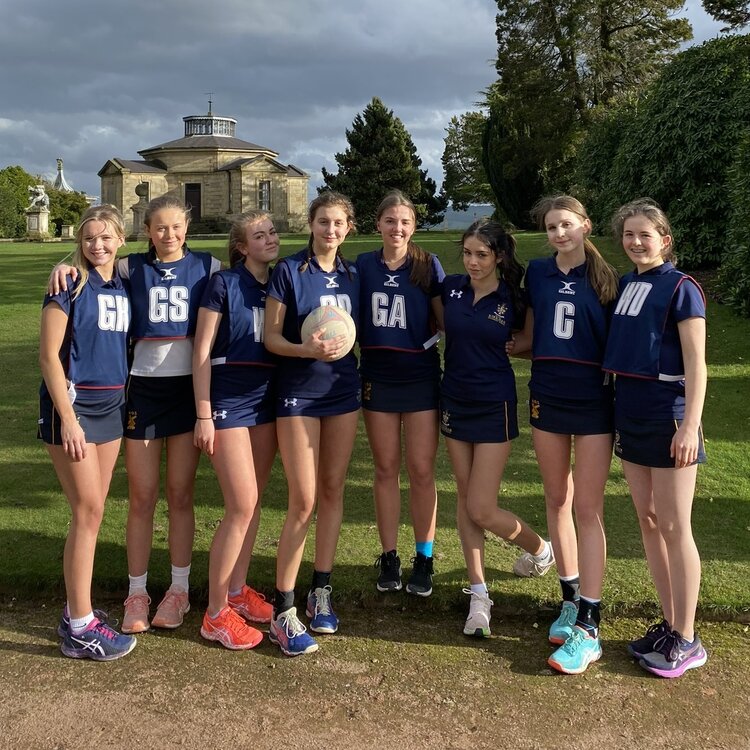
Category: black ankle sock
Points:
column 282, row 601
column 570, row 589
column 589, row 616
column 320, row 579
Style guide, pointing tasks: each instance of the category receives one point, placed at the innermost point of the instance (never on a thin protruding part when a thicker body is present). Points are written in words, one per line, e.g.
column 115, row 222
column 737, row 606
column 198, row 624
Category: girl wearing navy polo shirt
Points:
column 569, row 297
column 478, row 402
column 83, row 357
column 233, row 379
column 317, row 406
column 656, row 347
column 400, row 368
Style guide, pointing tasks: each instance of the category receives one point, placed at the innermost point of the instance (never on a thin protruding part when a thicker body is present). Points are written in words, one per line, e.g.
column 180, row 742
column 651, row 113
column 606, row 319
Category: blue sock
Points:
column 425, row 548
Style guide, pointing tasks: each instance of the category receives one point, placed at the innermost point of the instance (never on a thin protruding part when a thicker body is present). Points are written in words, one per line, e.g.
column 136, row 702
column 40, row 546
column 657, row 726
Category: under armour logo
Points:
column 290, row 402
column 220, row 414
column 331, row 283
column 567, row 287
column 456, row 293
column 167, row 274
column 391, row 280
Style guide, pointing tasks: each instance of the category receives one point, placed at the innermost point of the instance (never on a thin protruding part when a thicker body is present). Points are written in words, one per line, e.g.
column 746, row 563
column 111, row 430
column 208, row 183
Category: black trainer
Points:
column 420, row 581
column 389, row 578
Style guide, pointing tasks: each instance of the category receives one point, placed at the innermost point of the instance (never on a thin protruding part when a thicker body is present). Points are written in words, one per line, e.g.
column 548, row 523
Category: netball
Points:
column 336, row 321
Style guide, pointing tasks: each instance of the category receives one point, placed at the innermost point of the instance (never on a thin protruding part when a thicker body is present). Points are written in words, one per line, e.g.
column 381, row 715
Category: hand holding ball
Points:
column 335, row 321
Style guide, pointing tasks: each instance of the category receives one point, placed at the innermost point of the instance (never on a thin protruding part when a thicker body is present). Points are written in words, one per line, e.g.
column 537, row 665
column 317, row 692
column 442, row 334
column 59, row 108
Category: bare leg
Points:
column 421, row 438
column 182, row 462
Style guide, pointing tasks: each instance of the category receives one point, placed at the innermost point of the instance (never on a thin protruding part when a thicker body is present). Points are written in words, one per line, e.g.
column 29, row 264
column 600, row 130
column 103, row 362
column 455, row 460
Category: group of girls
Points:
column 251, row 379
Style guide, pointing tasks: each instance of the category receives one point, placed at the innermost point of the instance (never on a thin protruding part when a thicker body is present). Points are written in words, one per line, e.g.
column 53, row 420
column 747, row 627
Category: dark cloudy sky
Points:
column 87, row 81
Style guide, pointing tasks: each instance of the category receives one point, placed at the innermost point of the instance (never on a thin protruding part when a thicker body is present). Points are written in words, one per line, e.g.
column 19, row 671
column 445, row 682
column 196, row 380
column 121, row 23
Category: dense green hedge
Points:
column 677, row 144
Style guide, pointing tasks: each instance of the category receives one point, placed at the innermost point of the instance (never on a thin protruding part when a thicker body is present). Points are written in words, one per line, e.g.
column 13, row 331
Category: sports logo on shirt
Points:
column 366, row 390
column 219, row 414
column 391, row 280
column 132, row 416
column 567, row 287
column 499, row 315
column 168, row 274
column 290, row 402
column 535, row 406
column 332, row 283
column 456, row 293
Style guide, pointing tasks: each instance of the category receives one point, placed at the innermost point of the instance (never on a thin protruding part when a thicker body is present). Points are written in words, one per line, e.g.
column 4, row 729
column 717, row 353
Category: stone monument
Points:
column 139, row 211
column 37, row 214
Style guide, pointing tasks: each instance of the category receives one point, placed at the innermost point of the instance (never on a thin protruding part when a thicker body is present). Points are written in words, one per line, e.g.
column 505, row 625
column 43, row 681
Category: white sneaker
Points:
column 478, row 621
column 528, row 567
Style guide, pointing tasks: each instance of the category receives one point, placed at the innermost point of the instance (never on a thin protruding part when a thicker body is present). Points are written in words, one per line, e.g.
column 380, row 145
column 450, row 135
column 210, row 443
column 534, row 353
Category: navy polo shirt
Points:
column 476, row 367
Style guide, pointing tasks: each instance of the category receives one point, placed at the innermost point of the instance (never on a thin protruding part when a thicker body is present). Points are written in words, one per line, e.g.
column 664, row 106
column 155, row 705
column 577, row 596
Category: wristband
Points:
column 204, row 417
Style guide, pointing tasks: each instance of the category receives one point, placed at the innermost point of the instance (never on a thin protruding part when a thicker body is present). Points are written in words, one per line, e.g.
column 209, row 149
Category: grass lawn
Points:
column 34, row 513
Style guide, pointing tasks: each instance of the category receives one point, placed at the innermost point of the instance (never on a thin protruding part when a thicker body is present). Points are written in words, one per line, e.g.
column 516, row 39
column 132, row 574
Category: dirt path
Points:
column 391, row 680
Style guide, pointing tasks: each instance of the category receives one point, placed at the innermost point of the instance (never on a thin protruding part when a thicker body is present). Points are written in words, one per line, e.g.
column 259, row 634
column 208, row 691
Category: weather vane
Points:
column 209, row 94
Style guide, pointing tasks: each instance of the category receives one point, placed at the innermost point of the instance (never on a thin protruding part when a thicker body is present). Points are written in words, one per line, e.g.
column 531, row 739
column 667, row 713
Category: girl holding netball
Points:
column 478, row 403
column 233, row 379
column 570, row 402
column 316, row 408
column 656, row 347
column 165, row 286
column 83, row 357
column 400, row 368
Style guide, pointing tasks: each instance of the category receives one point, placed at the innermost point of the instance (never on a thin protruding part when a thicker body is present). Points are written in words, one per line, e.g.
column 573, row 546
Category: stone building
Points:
column 214, row 172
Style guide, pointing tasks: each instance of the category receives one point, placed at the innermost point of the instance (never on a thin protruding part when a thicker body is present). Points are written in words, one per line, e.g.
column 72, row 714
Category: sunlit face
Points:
column 100, row 243
column 396, row 226
column 566, row 230
column 261, row 243
column 167, row 231
column 479, row 260
column 643, row 244
column 329, row 228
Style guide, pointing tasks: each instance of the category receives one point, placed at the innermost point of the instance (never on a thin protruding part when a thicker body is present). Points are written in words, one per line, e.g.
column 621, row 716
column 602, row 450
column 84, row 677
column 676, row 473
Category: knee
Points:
column 421, row 474
column 180, row 498
column 558, row 501
column 648, row 522
column 479, row 514
column 387, row 471
column 589, row 514
column 89, row 514
column 301, row 509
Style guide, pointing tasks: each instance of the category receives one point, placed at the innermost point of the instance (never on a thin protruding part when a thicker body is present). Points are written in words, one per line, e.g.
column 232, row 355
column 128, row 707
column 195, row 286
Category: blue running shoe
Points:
column 576, row 653
column 673, row 656
column 290, row 635
column 98, row 642
column 645, row 645
column 64, row 625
column 322, row 617
column 562, row 628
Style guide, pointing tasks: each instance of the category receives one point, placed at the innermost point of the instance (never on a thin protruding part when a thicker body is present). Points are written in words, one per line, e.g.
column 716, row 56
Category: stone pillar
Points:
column 139, row 211
column 67, row 232
column 37, row 223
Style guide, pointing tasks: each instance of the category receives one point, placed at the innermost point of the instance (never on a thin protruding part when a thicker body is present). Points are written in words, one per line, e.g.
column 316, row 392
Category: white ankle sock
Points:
column 137, row 584
column 181, row 577
column 79, row 624
column 544, row 555
column 479, row 588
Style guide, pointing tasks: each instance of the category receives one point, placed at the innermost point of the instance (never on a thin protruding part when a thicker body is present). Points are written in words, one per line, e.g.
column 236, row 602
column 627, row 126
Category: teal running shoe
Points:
column 562, row 628
column 576, row 653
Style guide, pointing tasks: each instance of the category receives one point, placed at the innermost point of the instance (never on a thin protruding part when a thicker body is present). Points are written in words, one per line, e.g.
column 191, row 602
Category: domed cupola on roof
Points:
column 209, row 124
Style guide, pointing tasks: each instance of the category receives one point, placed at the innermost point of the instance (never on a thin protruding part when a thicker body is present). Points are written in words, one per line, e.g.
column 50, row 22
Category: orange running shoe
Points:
column 251, row 605
column 171, row 610
column 135, row 619
column 229, row 629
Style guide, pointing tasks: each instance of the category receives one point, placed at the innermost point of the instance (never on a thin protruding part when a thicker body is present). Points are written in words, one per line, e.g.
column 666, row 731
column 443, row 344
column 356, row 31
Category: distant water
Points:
column 462, row 219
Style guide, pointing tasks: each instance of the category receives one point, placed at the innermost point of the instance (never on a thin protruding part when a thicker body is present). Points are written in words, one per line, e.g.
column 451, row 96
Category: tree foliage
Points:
column 557, row 62
column 381, row 156
column 734, row 13
column 464, row 176
column 678, row 145
column 65, row 208
column 14, row 198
